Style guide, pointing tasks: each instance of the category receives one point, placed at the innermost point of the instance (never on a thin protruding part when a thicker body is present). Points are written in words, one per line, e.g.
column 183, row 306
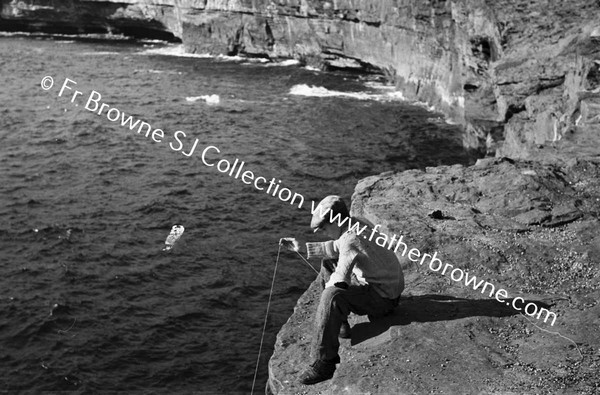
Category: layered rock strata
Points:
column 518, row 74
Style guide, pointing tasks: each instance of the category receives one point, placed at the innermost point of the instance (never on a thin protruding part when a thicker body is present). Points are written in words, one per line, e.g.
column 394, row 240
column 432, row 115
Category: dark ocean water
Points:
column 89, row 302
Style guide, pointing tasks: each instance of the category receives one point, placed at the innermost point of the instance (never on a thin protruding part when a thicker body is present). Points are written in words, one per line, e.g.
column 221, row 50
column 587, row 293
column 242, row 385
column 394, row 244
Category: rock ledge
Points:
column 527, row 227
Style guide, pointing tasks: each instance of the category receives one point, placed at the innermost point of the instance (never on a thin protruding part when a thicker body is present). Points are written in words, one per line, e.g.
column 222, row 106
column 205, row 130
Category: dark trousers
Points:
column 336, row 304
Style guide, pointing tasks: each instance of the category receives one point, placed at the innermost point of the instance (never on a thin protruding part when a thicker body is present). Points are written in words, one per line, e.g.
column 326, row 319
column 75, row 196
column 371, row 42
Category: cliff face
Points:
column 518, row 74
column 82, row 17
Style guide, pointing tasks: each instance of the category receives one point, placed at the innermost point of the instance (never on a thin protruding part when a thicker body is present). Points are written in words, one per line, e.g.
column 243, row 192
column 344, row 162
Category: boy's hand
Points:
column 290, row 244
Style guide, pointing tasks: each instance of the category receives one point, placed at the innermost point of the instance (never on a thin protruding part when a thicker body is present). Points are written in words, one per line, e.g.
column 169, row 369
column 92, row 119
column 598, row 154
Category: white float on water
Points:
column 176, row 232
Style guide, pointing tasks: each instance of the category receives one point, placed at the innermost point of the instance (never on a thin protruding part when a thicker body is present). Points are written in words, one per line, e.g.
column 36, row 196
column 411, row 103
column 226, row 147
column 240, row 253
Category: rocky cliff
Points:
column 518, row 74
column 526, row 227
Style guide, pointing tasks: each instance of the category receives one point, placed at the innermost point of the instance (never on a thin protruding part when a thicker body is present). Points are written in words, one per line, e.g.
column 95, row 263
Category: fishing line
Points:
column 262, row 338
column 307, row 262
column 556, row 333
column 67, row 330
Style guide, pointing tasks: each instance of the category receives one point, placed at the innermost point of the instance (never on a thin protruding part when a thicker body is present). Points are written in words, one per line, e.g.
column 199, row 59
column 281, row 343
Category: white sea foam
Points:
column 228, row 58
column 289, row 62
column 152, row 71
column 243, row 59
column 284, row 63
column 100, row 53
column 179, row 51
column 10, row 34
column 268, row 63
column 99, row 36
column 152, row 41
column 389, row 93
column 379, row 85
column 209, row 99
column 393, row 94
column 319, row 91
column 174, row 50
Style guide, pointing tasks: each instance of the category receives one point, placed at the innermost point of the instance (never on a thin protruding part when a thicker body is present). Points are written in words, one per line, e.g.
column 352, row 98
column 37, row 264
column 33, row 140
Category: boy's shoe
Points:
column 345, row 331
column 318, row 371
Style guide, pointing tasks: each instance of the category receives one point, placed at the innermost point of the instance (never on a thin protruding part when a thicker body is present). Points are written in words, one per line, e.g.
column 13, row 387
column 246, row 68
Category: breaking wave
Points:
column 209, row 99
column 319, row 91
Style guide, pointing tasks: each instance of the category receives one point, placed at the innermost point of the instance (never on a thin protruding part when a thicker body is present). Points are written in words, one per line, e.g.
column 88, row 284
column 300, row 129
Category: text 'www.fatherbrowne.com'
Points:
column 396, row 244
column 179, row 142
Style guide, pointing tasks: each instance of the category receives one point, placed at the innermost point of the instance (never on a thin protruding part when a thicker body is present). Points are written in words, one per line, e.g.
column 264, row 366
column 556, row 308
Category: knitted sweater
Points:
column 371, row 263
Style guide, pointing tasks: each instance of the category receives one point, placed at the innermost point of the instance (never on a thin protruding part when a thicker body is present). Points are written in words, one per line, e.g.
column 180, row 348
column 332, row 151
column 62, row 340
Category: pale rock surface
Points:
column 526, row 227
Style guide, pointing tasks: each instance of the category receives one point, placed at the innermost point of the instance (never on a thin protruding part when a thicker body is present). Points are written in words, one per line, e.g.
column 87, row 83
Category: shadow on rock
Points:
column 430, row 308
